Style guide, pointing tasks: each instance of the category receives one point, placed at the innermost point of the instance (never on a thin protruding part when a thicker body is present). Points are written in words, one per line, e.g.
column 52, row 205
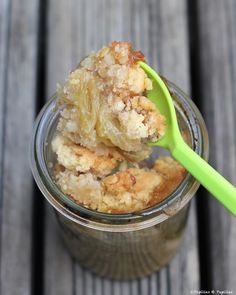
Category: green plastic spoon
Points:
column 224, row 191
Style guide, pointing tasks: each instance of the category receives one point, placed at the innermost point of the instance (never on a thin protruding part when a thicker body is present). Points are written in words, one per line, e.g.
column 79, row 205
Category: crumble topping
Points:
column 106, row 104
column 105, row 122
column 76, row 157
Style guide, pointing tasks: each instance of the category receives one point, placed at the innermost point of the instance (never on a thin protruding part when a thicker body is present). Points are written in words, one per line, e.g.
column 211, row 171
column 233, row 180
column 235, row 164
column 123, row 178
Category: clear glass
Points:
column 120, row 246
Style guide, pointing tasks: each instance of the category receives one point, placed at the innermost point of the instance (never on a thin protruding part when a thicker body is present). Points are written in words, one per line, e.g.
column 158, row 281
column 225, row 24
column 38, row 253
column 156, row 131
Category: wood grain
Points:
column 18, row 52
column 4, row 38
column 217, row 68
column 76, row 27
column 159, row 29
column 59, row 270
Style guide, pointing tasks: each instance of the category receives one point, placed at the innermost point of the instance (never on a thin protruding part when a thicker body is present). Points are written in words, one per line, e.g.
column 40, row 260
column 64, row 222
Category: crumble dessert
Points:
column 105, row 122
column 106, row 103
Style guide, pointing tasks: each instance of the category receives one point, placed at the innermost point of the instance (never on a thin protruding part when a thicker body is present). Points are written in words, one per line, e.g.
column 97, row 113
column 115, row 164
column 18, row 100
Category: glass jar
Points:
column 120, row 246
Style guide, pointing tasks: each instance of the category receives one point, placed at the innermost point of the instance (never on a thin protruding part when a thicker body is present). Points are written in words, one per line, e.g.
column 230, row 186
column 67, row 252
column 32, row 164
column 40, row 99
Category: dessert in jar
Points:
column 122, row 207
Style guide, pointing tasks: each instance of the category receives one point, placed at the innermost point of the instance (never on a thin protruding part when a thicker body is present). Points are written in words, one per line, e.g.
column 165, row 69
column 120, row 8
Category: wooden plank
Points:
column 4, row 27
column 158, row 28
column 59, row 265
column 18, row 76
column 217, row 46
column 59, row 269
column 170, row 38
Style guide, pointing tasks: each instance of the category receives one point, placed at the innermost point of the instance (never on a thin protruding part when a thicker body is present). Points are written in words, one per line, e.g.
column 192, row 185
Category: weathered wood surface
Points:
column 18, row 55
column 217, row 76
column 88, row 25
column 75, row 27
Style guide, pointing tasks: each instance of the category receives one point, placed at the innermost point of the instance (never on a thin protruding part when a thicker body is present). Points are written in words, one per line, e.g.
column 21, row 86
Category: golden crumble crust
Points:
column 76, row 157
column 105, row 122
column 172, row 174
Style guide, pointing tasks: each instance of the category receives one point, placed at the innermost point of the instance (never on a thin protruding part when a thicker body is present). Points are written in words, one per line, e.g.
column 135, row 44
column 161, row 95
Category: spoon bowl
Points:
column 161, row 97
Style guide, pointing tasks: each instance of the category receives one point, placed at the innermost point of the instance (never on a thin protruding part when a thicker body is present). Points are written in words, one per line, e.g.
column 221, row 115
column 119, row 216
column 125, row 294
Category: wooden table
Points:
column 193, row 43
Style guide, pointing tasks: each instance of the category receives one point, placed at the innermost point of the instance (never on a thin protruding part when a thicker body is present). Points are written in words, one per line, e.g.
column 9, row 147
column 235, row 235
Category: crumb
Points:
column 78, row 158
column 83, row 188
column 172, row 175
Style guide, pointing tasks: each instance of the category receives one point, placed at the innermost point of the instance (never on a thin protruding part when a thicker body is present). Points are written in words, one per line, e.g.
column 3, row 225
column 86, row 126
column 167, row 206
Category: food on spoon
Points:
column 106, row 121
column 106, row 103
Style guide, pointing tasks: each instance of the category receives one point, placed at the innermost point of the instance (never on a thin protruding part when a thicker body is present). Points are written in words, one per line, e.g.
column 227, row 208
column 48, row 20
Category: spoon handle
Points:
column 215, row 183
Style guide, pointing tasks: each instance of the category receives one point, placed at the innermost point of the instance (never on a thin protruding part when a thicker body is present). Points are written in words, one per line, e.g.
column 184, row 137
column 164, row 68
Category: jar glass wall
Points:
column 120, row 246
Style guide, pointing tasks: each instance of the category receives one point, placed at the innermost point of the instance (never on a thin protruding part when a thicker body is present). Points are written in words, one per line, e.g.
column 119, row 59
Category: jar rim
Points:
column 108, row 221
